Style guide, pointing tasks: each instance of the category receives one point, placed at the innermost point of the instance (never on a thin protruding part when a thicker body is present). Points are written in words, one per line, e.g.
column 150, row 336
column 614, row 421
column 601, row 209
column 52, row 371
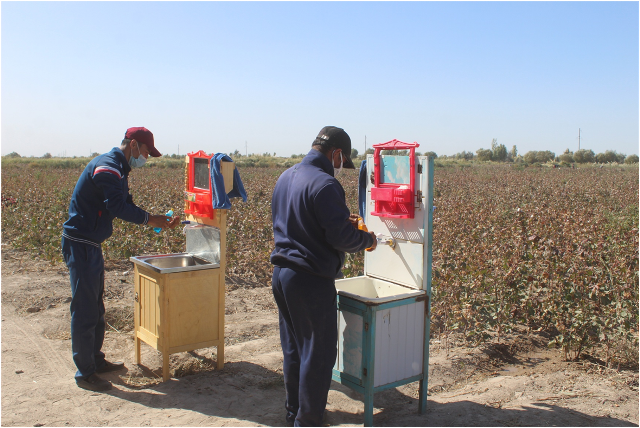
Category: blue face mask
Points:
column 137, row 162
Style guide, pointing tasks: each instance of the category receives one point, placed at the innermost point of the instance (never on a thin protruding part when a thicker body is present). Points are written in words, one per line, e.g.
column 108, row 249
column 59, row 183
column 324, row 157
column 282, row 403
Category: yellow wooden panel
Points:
column 144, row 313
column 215, row 221
column 219, row 219
column 193, row 298
column 227, row 173
column 192, row 346
column 153, row 298
column 147, row 298
column 149, row 309
column 147, row 302
column 221, row 303
column 136, row 290
column 158, row 313
column 223, row 241
column 147, row 337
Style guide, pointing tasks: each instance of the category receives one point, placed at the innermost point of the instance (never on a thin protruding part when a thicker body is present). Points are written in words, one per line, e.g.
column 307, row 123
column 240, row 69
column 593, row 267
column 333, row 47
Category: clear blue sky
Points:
column 211, row 75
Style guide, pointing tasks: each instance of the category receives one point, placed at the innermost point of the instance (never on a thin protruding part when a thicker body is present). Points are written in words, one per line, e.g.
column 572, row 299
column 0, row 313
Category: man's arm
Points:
column 109, row 182
column 333, row 215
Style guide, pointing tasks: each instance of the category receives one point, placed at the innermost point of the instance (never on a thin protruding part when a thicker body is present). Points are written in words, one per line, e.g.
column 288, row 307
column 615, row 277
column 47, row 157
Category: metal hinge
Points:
column 366, row 326
column 136, row 297
column 418, row 195
column 419, row 168
column 364, row 371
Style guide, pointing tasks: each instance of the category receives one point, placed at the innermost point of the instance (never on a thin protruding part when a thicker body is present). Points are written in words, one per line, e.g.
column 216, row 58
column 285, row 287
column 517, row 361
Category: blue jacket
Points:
column 102, row 194
column 310, row 217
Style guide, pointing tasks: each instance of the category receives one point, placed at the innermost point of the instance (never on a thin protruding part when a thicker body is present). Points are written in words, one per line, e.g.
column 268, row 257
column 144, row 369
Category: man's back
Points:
column 311, row 219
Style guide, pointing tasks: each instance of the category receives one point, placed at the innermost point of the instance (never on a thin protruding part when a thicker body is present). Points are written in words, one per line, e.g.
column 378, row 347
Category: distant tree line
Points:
column 497, row 153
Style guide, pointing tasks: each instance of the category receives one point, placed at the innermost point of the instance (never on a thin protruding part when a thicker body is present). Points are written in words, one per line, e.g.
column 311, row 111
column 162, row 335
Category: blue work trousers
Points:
column 86, row 272
column 309, row 338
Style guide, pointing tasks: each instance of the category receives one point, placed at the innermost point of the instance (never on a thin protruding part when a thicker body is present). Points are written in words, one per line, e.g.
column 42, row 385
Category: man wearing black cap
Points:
column 312, row 231
column 101, row 194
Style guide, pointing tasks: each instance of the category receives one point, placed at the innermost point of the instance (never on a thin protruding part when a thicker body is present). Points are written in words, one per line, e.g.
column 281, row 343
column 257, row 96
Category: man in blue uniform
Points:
column 312, row 229
column 101, row 194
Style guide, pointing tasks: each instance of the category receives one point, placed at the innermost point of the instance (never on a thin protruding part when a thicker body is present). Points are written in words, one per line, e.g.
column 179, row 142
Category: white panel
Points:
column 373, row 290
column 350, row 331
column 399, row 343
column 411, row 344
column 401, row 330
column 381, row 362
column 404, row 264
column 417, row 321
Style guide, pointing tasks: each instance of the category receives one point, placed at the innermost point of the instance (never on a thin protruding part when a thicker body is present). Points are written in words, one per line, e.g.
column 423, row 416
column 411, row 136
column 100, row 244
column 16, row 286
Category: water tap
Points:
column 386, row 240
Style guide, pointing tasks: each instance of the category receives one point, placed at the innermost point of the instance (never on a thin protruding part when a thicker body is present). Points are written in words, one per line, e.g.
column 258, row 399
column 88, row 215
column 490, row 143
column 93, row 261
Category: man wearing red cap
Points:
column 101, row 194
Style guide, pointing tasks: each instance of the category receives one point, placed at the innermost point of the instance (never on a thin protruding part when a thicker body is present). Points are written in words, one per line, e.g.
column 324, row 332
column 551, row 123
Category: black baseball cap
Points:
column 338, row 138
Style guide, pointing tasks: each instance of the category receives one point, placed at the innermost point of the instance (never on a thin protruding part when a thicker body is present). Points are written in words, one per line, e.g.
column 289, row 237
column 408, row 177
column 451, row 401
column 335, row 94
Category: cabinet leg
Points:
column 368, row 407
column 165, row 366
column 138, row 360
column 422, row 397
column 220, row 357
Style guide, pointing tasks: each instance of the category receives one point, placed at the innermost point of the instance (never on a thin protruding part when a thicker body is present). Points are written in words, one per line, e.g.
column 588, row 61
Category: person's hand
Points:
column 161, row 221
column 175, row 220
column 375, row 242
column 353, row 219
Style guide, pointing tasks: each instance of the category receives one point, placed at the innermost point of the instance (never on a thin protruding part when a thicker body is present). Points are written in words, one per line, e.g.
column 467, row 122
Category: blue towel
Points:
column 219, row 198
column 362, row 191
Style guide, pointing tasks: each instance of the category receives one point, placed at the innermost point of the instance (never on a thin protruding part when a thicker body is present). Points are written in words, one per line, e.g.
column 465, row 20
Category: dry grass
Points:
column 120, row 319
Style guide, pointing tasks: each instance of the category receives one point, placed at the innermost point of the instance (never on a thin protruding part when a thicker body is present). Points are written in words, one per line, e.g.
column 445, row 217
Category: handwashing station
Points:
column 383, row 316
column 179, row 298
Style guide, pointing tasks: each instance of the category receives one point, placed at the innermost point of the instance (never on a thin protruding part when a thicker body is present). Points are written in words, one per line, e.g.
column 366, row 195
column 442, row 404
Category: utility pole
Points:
column 578, row 138
column 178, row 149
column 246, row 151
column 365, row 145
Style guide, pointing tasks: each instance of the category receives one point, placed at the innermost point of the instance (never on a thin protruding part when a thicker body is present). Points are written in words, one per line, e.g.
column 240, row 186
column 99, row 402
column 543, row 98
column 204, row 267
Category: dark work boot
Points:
column 110, row 367
column 93, row 382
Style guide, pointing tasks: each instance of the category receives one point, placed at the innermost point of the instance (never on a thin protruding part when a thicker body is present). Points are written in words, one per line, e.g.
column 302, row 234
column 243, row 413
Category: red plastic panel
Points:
column 199, row 201
column 394, row 200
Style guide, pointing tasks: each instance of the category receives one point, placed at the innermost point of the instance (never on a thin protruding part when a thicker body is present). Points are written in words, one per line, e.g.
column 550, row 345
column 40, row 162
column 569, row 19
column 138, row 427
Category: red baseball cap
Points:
column 144, row 136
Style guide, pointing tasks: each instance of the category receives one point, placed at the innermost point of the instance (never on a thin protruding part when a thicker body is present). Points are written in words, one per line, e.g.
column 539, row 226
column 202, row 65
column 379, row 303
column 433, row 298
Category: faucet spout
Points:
column 386, row 240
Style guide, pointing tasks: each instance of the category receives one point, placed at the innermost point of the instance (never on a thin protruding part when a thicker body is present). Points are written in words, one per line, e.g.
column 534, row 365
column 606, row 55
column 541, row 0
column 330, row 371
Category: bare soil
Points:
column 517, row 381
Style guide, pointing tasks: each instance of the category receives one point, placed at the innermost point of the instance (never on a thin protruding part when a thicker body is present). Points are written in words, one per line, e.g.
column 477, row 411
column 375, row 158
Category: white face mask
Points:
column 137, row 162
column 339, row 170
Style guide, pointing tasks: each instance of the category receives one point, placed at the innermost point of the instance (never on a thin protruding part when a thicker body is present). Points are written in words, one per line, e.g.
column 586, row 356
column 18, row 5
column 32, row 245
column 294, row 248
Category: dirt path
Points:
column 516, row 383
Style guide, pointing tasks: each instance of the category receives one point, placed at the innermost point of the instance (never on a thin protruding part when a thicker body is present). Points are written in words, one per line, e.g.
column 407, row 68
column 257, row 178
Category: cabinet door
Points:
column 399, row 343
column 147, row 310
column 194, row 306
column 350, row 344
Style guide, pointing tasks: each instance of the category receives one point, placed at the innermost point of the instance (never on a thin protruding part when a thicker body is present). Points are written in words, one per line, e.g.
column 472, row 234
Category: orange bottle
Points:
column 362, row 226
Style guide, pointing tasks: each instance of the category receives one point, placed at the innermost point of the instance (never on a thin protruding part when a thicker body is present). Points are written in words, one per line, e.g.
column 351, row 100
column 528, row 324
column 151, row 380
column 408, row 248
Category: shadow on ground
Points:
column 258, row 397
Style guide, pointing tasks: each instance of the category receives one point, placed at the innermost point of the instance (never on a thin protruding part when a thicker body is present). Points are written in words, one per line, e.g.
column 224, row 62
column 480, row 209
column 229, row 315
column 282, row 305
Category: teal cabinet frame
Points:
column 356, row 363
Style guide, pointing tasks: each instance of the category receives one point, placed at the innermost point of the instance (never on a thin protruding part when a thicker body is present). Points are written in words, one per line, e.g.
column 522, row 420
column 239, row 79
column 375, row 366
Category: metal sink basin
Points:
column 170, row 263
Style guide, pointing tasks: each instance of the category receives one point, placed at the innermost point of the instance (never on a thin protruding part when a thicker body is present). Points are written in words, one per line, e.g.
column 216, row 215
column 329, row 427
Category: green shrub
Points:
column 631, row 159
column 584, row 156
